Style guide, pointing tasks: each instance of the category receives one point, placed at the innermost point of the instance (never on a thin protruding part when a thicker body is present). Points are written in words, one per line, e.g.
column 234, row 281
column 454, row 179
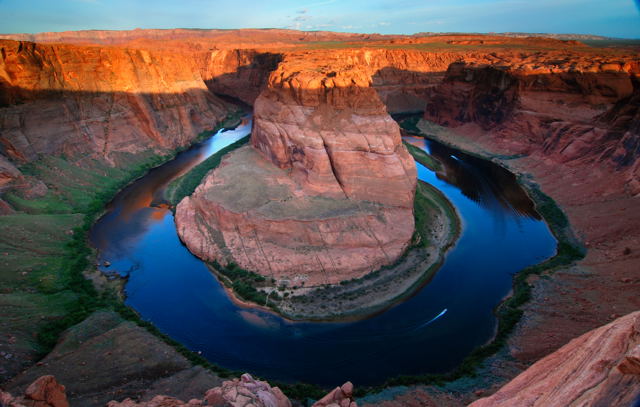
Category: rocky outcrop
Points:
column 242, row 392
column 325, row 192
column 246, row 391
column 99, row 102
column 339, row 397
column 44, row 392
column 329, row 128
column 8, row 171
column 485, row 95
column 600, row 368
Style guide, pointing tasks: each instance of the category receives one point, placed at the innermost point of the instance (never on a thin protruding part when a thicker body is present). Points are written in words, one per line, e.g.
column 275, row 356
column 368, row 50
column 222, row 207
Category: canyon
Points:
column 77, row 108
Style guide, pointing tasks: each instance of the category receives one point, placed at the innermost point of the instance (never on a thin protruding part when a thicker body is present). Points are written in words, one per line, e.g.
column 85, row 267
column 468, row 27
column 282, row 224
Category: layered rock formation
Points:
column 600, row 368
column 102, row 102
column 324, row 194
column 574, row 110
column 339, row 397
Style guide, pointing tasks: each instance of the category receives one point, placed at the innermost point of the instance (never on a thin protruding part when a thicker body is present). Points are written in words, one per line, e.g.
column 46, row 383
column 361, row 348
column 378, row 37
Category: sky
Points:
column 614, row 18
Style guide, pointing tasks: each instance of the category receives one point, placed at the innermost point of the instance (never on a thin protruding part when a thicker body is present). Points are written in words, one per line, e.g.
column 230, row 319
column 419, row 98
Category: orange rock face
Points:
column 44, row 392
column 589, row 371
column 324, row 195
column 72, row 100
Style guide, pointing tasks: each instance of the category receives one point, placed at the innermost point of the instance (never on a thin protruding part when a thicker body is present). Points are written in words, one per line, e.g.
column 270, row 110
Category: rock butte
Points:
column 324, row 193
column 569, row 112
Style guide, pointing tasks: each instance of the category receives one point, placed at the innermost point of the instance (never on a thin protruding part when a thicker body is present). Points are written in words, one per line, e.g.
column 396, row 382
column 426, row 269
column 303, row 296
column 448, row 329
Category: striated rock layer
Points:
column 600, row 368
column 102, row 102
column 325, row 192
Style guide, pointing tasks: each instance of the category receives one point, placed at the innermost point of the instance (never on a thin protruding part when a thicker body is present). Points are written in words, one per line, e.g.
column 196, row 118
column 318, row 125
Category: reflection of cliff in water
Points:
column 482, row 181
column 139, row 206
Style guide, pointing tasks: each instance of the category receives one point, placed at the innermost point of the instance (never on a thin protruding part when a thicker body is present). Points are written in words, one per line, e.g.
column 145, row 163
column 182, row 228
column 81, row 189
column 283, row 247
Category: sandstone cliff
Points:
column 600, row 368
column 325, row 194
column 574, row 110
column 238, row 73
column 99, row 102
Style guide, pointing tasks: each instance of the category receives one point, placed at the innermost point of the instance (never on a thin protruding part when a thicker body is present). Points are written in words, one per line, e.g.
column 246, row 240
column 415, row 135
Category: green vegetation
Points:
column 245, row 284
column 427, row 203
column 186, row 184
column 44, row 250
column 410, row 125
column 423, row 158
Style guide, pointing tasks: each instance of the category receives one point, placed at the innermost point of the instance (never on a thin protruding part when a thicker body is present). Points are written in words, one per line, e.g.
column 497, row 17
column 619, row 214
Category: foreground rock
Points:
column 325, row 192
column 44, row 392
column 245, row 392
column 600, row 368
column 339, row 397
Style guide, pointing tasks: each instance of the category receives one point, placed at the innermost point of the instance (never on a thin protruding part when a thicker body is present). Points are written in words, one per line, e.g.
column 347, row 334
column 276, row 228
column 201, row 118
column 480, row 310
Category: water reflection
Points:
column 482, row 181
column 132, row 212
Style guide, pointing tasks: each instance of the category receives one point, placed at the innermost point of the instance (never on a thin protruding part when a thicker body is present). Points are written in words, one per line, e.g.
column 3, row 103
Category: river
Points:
column 431, row 332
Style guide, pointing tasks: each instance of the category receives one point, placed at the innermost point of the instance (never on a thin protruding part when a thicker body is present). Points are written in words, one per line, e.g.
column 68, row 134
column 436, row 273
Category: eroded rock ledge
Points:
column 324, row 193
column 600, row 368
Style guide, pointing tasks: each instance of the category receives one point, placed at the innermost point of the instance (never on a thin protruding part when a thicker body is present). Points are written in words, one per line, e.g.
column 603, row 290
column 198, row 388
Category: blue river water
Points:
column 431, row 332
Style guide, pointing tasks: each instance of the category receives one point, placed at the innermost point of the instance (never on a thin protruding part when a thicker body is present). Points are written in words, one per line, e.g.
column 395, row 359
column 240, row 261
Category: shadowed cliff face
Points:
column 241, row 74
